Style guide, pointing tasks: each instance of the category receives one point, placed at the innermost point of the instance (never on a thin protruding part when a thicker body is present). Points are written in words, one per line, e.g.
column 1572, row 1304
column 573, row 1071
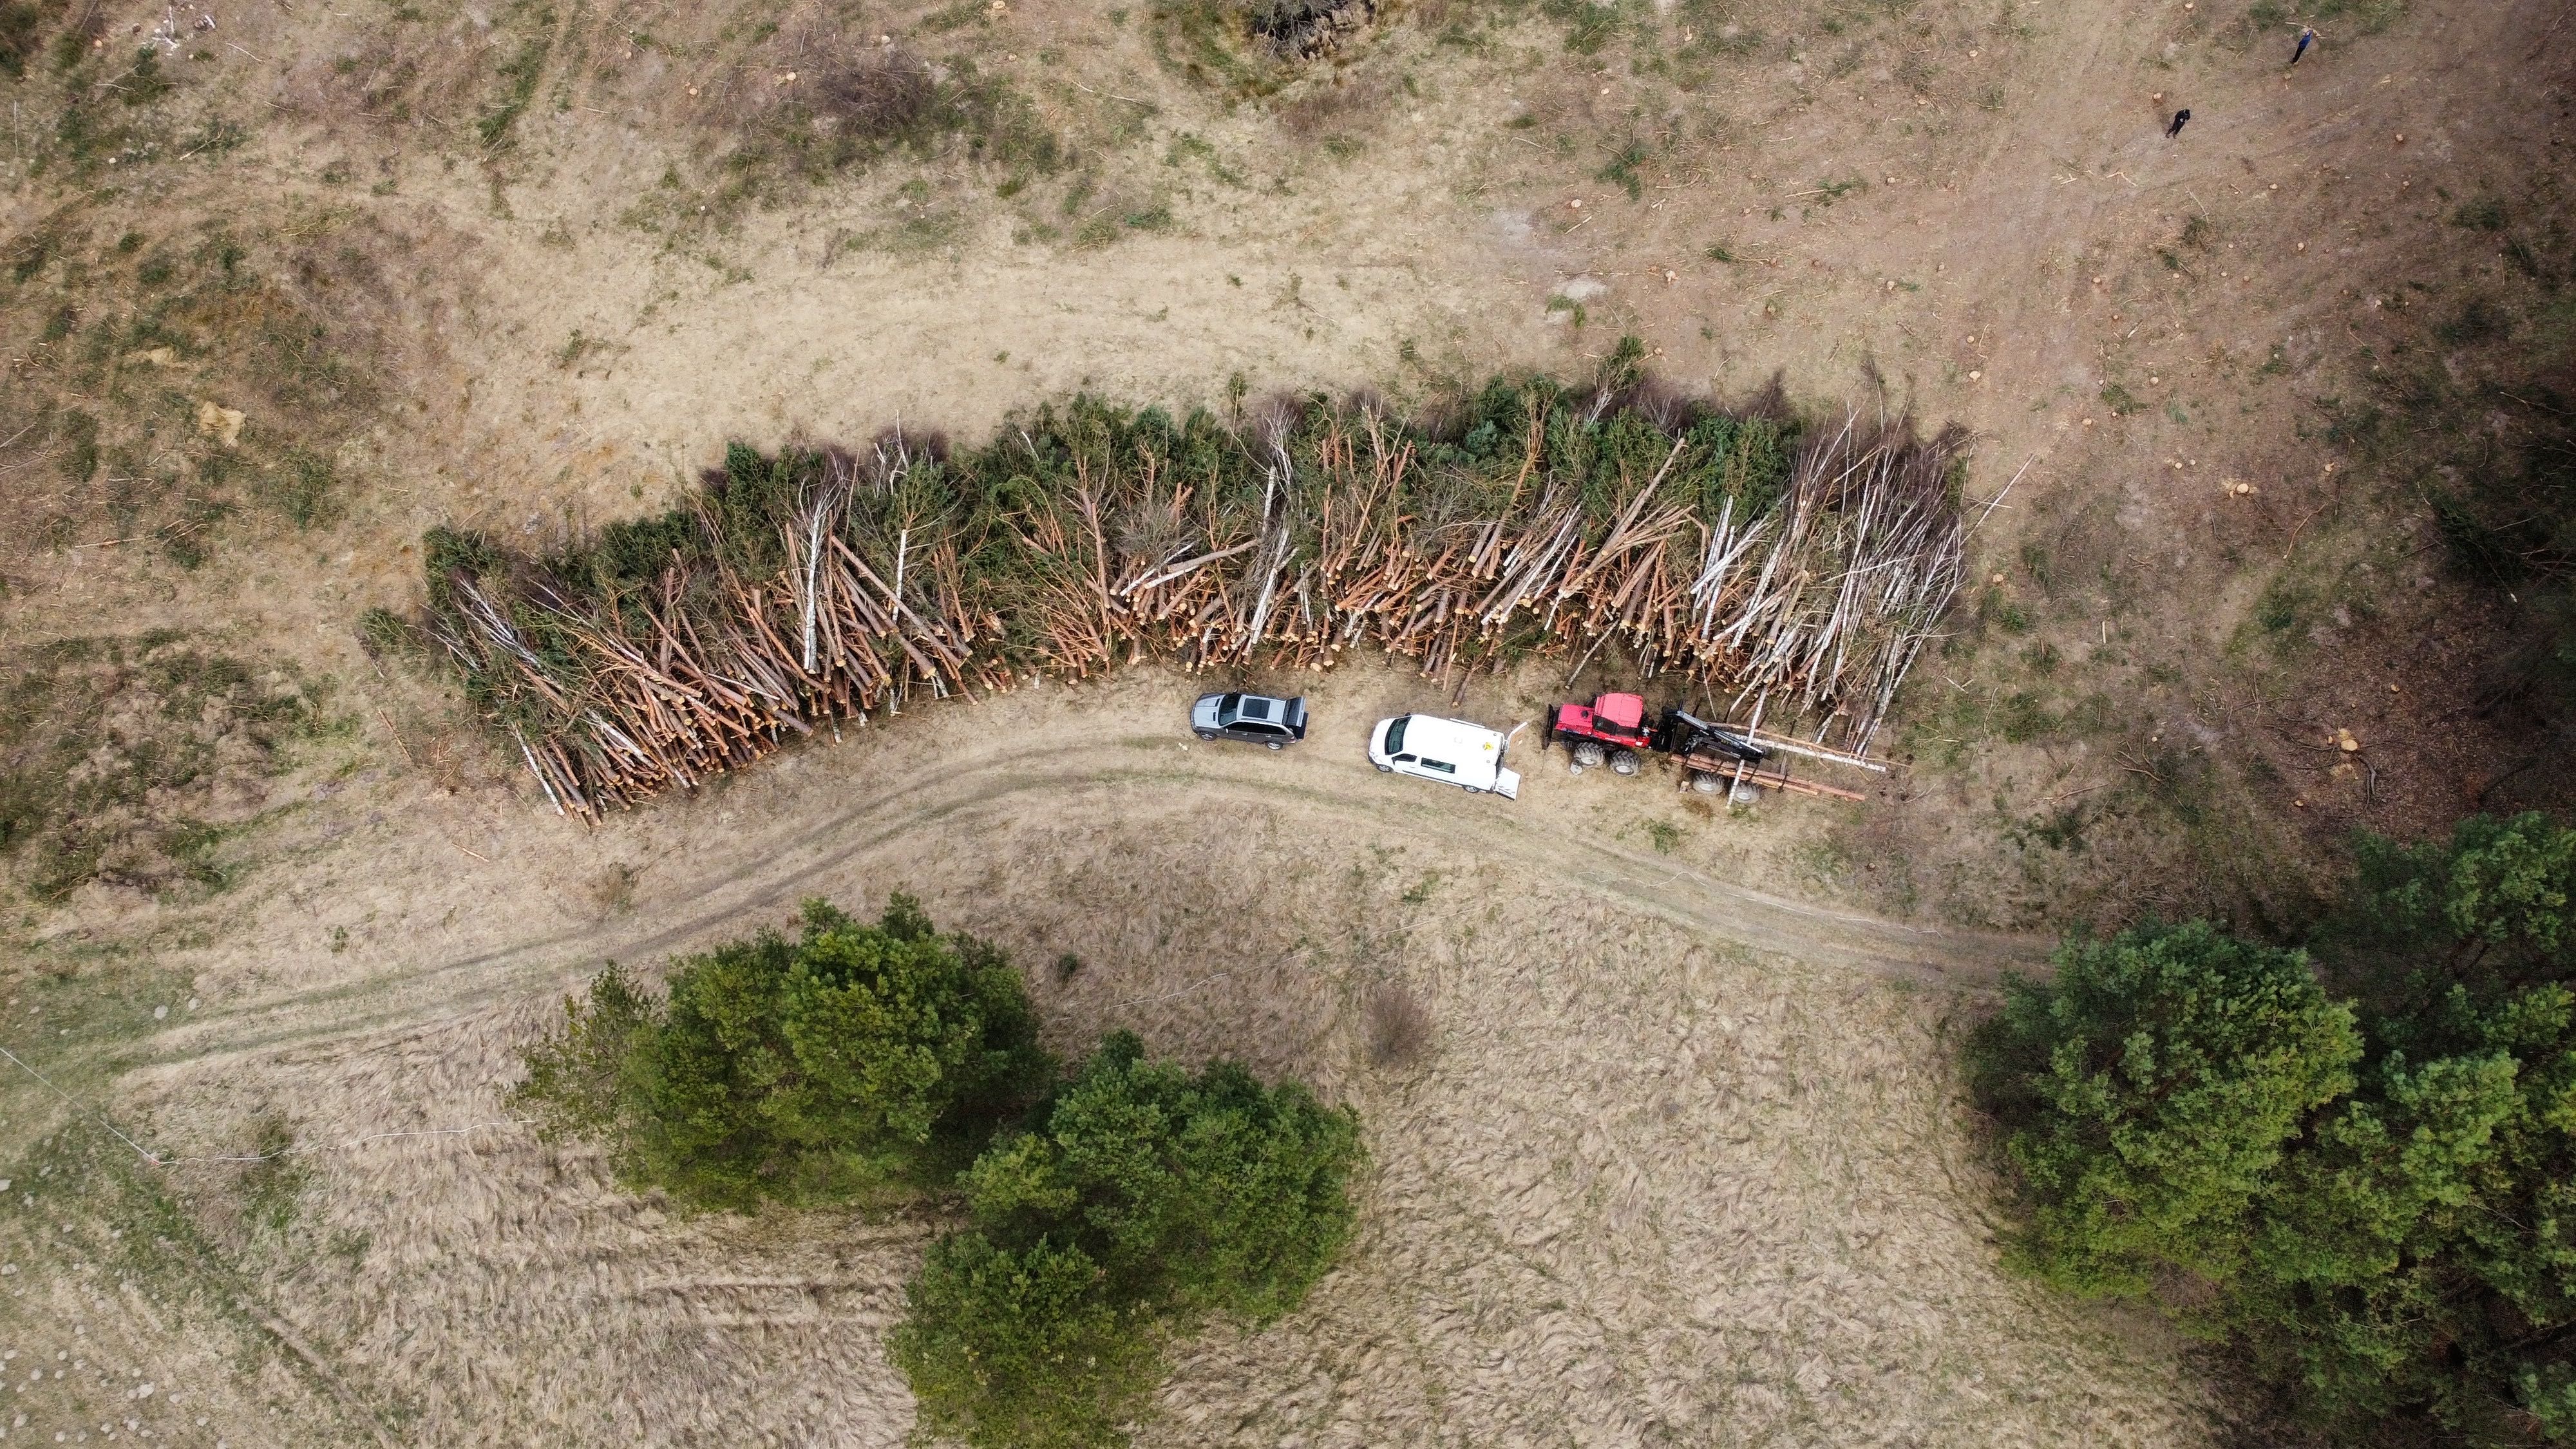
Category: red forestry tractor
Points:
column 1612, row 728
column 1739, row 759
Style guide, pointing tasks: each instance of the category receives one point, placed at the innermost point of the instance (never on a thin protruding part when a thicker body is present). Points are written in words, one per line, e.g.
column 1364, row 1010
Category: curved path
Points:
column 995, row 777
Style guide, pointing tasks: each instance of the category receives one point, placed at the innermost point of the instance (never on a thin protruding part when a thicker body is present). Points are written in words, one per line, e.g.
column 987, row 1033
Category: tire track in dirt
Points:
column 1003, row 779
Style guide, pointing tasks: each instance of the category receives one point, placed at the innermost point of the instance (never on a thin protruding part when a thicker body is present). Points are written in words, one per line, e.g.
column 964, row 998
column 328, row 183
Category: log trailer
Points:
column 1718, row 757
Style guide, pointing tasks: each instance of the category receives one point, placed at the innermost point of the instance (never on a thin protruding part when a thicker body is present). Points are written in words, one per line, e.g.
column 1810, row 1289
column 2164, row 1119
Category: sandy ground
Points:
column 1688, row 1163
column 1973, row 203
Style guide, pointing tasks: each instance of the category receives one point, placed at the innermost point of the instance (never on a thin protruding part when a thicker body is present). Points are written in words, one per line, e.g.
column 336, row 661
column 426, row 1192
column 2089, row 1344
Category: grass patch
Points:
column 2487, row 438
column 115, row 751
column 2369, row 17
column 1221, row 45
column 519, row 76
column 23, row 24
column 2476, row 320
column 1400, row 1029
column 302, row 488
column 1622, row 169
column 2485, row 213
column 1588, row 27
column 199, row 1261
column 1833, row 191
column 873, row 105
column 272, row 1188
column 146, row 332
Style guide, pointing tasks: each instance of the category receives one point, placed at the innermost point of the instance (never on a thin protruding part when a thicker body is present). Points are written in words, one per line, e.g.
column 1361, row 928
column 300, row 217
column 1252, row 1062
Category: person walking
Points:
column 2307, row 37
column 2176, row 128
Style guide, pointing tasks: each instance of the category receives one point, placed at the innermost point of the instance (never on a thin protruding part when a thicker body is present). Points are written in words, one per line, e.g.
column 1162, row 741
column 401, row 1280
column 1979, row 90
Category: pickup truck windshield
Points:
column 1395, row 736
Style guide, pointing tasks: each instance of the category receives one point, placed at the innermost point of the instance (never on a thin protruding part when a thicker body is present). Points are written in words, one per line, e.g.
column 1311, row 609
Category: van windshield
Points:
column 1395, row 736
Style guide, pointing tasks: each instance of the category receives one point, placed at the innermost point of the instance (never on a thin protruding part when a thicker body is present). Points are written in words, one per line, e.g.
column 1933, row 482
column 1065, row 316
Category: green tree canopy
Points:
column 2150, row 1089
column 2492, row 903
column 1022, row 1347
column 2388, row 1215
column 855, row 1056
column 2421, row 1255
column 1177, row 1194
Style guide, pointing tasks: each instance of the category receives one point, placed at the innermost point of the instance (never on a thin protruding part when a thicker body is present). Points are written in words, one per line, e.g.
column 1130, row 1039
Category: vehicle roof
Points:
column 1423, row 731
column 1628, row 710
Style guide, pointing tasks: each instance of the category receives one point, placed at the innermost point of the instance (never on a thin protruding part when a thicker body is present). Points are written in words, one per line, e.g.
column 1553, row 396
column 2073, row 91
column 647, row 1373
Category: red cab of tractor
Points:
column 1611, row 729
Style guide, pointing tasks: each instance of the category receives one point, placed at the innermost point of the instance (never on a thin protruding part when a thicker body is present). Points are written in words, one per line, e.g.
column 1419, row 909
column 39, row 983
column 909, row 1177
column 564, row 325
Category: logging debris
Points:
column 1801, row 570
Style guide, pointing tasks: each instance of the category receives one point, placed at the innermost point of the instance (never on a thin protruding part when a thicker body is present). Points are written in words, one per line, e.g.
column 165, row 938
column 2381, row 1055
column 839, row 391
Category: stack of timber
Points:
column 1799, row 571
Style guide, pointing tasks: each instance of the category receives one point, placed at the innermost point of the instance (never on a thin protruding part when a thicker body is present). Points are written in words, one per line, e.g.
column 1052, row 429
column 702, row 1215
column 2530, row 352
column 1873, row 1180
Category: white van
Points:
column 1450, row 751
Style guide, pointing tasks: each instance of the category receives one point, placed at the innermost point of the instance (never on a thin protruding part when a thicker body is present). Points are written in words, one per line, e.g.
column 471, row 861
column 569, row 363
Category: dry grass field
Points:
column 1635, row 1182
column 1666, row 1146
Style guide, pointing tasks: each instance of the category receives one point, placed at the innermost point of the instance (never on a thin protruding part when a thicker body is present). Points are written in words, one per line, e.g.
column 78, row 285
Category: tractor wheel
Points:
column 1587, row 753
column 1623, row 762
column 1704, row 782
column 1207, row 734
column 1575, row 769
column 1278, row 744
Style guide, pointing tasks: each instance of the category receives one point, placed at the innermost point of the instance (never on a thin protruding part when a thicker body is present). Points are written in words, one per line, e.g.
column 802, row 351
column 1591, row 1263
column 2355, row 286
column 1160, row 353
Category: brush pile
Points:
column 1310, row 29
column 1801, row 574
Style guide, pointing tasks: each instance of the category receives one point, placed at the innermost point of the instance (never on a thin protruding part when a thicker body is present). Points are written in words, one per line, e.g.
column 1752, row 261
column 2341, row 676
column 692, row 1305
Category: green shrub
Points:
column 2491, row 905
column 2413, row 1257
column 2151, row 1089
column 2417, row 1260
column 144, row 83
column 1021, row 1348
column 1622, row 169
column 385, row 634
column 856, row 1057
column 1143, row 1198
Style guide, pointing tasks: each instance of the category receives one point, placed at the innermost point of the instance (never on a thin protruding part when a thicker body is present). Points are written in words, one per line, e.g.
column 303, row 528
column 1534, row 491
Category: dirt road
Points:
column 955, row 773
column 1687, row 1156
